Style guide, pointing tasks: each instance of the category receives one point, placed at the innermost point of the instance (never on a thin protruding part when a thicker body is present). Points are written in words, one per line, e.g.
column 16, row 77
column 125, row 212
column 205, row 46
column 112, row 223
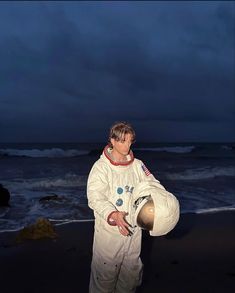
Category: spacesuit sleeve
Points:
column 147, row 176
column 97, row 192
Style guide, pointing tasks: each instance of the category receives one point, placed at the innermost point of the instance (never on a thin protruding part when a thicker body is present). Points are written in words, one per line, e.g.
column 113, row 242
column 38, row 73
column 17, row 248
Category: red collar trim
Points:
column 116, row 163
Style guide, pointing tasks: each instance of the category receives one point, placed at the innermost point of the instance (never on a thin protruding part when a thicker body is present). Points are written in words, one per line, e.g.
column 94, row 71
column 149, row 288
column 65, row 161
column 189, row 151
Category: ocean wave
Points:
column 202, row 173
column 215, row 210
column 3, row 211
column 198, row 150
column 227, row 147
column 208, row 210
column 73, row 151
column 68, row 221
column 50, row 153
column 175, row 149
column 68, row 181
column 17, row 225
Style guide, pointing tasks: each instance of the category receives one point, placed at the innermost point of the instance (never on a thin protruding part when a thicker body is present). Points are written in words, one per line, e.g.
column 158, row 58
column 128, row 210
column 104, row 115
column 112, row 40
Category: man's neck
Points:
column 117, row 157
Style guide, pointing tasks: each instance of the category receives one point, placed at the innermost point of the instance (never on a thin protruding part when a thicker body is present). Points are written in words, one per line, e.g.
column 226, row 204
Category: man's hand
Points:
column 119, row 218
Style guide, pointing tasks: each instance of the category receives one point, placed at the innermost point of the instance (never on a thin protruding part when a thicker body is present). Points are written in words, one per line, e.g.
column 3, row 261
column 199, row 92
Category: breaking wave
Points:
column 68, row 181
column 214, row 210
column 202, row 173
column 73, row 151
column 175, row 149
column 50, row 153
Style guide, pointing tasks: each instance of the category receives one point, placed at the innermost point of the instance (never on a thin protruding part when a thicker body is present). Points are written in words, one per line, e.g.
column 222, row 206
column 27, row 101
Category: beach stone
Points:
column 43, row 228
column 50, row 197
column 4, row 196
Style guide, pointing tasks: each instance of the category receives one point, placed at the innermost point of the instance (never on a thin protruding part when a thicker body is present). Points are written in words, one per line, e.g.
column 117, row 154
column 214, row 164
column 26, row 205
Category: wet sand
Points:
column 197, row 256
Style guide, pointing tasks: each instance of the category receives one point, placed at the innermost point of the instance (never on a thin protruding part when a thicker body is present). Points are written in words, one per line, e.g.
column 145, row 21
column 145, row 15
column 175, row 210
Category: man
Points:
column 116, row 264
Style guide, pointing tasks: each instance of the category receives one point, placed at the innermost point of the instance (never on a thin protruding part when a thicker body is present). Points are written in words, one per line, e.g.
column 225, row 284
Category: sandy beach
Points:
column 197, row 256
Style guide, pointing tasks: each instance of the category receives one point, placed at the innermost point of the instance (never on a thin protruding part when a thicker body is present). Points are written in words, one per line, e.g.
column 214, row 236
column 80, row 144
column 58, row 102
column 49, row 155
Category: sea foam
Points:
column 202, row 173
column 50, row 153
column 175, row 149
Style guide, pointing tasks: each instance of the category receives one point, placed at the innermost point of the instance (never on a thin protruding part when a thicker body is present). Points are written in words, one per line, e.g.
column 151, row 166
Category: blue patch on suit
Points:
column 119, row 190
column 119, row 202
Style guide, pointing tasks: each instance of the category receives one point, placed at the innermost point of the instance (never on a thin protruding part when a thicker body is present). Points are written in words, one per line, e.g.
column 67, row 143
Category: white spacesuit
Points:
column 116, row 264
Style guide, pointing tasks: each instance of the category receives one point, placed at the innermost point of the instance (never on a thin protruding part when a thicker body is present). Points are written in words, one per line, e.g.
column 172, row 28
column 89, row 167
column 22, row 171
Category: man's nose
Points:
column 128, row 143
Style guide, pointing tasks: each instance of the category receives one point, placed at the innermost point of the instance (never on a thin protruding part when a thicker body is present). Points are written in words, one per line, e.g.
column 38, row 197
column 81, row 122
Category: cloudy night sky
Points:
column 68, row 70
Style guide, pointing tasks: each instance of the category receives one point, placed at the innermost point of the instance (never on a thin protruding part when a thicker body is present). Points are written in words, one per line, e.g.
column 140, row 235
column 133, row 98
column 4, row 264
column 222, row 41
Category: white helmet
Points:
column 156, row 209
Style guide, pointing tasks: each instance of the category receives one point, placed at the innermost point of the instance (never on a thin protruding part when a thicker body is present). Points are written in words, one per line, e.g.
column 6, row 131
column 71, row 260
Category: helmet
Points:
column 156, row 209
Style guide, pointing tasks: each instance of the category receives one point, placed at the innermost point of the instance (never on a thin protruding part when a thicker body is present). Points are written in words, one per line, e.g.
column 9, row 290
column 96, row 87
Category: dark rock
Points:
column 4, row 196
column 50, row 197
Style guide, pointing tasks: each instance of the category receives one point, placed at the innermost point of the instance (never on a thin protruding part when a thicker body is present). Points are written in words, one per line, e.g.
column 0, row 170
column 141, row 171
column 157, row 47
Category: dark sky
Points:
column 68, row 70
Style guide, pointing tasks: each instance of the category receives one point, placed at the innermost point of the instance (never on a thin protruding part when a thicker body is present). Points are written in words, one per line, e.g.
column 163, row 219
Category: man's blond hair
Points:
column 119, row 130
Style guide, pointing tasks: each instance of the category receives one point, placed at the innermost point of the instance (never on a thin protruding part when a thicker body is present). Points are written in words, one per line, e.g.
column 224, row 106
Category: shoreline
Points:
column 190, row 212
column 197, row 256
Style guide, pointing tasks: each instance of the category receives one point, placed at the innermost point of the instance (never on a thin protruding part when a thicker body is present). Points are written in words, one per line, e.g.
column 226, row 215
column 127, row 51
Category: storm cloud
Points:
column 70, row 69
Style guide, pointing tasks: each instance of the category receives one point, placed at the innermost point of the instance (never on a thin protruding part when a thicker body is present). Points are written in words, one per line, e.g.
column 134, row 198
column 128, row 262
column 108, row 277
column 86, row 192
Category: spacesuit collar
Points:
column 107, row 152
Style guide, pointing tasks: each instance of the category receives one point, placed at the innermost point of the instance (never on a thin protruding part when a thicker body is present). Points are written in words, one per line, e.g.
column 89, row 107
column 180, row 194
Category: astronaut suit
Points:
column 116, row 265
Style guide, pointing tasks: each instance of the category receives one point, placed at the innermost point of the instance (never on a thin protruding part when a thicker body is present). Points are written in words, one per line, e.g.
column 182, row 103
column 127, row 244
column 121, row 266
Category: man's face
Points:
column 123, row 145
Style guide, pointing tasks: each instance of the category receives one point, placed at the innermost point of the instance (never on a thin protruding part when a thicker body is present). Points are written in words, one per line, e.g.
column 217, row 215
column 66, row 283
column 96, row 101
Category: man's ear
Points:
column 112, row 140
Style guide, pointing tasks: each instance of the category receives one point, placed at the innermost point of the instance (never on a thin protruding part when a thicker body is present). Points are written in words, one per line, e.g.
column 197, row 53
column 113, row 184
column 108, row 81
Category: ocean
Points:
column 200, row 175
